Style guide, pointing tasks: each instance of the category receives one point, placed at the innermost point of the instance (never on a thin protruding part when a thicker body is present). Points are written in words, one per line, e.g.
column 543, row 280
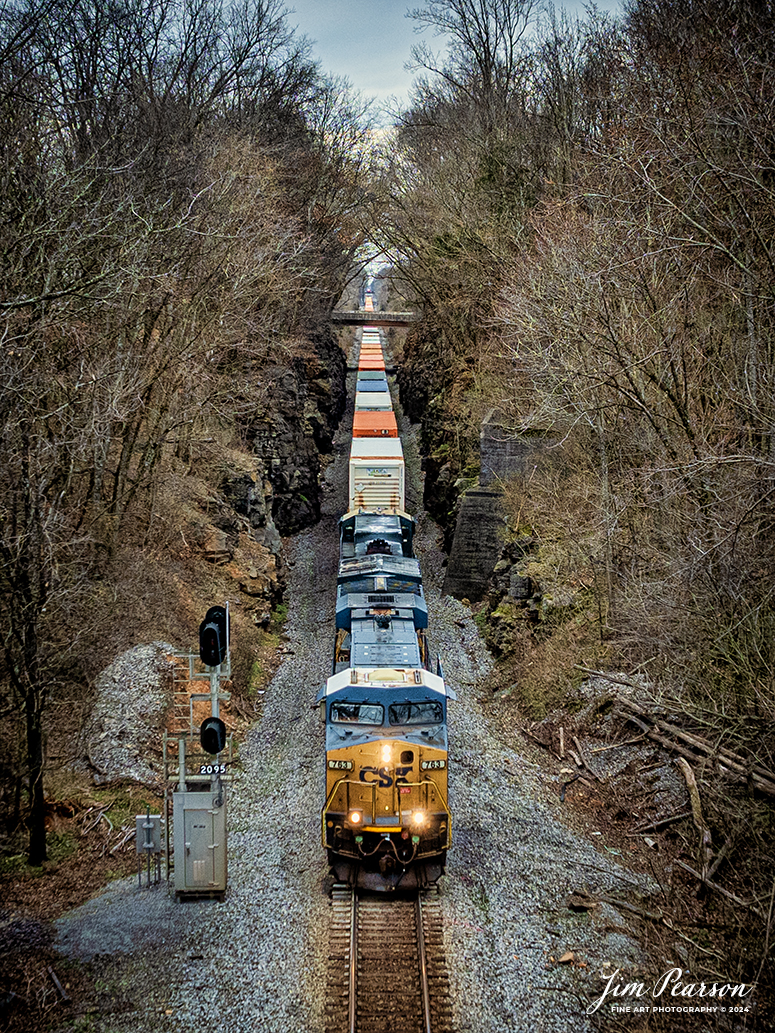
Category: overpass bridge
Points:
column 360, row 317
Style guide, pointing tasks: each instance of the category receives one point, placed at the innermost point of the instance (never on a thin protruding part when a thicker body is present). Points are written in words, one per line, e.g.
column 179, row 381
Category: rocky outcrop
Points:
column 234, row 530
column 442, row 493
column 508, row 579
column 308, row 399
column 250, row 495
column 427, row 384
column 513, row 599
column 273, row 489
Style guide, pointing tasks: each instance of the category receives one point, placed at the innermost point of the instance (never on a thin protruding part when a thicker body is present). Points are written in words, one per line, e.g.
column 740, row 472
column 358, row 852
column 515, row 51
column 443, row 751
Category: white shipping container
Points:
column 371, row 400
column 376, row 475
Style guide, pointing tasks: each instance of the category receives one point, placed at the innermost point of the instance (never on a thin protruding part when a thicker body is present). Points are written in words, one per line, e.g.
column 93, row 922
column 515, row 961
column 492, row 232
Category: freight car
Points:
column 386, row 821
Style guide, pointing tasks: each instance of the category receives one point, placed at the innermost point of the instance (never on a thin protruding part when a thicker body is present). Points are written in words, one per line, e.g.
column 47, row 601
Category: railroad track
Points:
column 386, row 966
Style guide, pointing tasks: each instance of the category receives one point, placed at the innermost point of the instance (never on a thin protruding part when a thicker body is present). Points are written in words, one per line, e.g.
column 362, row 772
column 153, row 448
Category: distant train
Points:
column 386, row 819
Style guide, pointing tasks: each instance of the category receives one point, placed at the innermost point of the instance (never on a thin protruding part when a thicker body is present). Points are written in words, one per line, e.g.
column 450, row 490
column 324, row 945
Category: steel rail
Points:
column 353, row 961
column 359, row 993
column 426, row 997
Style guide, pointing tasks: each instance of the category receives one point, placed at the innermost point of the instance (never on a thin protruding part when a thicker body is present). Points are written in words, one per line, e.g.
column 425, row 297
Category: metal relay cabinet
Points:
column 200, row 842
column 201, row 770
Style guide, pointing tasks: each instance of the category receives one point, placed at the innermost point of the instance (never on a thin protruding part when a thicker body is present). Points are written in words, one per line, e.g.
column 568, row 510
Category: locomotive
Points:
column 386, row 821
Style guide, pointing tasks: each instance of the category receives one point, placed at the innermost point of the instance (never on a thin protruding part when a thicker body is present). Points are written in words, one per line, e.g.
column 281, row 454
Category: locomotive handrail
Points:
column 373, row 786
column 347, row 781
column 430, row 782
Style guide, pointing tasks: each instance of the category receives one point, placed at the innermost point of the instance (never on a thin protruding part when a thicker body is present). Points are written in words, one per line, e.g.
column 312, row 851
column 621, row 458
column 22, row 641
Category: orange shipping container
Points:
column 374, row 425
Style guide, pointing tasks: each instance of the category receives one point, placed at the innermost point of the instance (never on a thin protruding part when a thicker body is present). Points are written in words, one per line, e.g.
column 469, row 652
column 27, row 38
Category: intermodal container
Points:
column 376, row 475
column 375, row 424
column 372, row 400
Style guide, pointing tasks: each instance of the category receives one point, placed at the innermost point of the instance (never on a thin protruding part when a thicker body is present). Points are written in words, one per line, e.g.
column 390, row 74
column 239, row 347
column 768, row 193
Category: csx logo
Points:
column 383, row 777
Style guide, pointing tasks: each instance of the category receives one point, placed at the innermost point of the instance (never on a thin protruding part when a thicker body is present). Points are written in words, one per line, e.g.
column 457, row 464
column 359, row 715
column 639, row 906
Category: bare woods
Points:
column 179, row 191
column 585, row 207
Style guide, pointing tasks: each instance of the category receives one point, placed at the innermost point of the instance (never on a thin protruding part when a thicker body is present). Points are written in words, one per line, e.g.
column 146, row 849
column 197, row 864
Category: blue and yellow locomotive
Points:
column 386, row 820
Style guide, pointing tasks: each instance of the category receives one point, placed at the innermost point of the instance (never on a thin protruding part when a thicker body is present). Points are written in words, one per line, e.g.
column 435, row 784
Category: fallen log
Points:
column 723, row 852
column 720, row 889
column 655, row 826
column 654, row 732
column 584, row 761
column 705, row 849
column 726, row 756
column 763, row 778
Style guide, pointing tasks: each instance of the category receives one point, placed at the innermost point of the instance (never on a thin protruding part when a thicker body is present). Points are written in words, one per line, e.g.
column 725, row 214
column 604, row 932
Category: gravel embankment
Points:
column 256, row 961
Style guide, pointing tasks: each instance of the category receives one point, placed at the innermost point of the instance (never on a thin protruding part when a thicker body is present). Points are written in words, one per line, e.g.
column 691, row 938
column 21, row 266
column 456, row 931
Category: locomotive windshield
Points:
column 427, row 713
column 357, row 713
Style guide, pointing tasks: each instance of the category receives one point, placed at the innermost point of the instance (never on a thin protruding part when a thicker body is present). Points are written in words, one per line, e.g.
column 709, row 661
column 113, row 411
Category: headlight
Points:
column 355, row 817
column 418, row 819
column 386, row 753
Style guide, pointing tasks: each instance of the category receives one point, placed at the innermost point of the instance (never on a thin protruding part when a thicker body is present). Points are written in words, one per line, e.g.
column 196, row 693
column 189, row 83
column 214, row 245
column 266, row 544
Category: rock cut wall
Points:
column 308, row 399
column 476, row 544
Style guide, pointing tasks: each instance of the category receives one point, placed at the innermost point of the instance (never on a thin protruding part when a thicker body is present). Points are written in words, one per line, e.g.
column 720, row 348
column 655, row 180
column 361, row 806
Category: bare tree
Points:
column 484, row 59
column 155, row 262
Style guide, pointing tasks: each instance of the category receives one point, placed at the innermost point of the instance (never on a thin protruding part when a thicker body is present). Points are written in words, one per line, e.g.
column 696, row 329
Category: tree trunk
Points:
column 608, row 517
column 37, row 846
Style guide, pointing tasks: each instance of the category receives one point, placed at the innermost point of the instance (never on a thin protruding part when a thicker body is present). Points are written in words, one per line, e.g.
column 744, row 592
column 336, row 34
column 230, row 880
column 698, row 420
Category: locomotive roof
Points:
column 404, row 600
column 404, row 680
column 376, row 565
column 361, row 605
column 358, row 586
column 393, row 645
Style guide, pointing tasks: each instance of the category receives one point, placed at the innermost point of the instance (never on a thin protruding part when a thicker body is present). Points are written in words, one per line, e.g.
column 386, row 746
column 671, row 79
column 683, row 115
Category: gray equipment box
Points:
column 148, row 833
column 199, row 843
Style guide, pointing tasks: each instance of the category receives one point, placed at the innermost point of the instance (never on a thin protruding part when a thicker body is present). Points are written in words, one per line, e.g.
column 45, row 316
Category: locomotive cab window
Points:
column 357, row 713
column 426, row 713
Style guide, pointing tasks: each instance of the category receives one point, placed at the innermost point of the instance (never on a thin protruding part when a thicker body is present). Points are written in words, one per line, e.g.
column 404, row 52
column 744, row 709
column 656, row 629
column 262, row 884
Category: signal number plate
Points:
column 433, row 765
column 340, row 765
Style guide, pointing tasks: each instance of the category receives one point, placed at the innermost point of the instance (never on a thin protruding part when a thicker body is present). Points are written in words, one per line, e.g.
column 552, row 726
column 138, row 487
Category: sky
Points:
column 369, row 41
